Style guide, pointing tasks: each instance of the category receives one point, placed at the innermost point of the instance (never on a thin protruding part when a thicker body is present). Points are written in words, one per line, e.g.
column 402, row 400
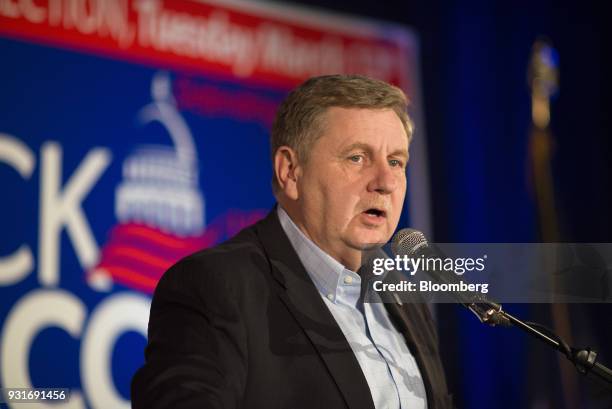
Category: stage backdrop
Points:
column 133, row 133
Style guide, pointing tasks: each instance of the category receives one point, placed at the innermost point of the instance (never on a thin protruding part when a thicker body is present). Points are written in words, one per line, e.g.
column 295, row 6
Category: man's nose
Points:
column 383, row 178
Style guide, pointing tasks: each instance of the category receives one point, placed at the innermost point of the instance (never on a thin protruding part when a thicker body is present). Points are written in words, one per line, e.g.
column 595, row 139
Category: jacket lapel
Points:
column 305, row 304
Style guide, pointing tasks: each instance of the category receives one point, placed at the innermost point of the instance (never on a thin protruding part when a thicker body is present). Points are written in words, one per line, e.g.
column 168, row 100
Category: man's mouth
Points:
column 376, row 212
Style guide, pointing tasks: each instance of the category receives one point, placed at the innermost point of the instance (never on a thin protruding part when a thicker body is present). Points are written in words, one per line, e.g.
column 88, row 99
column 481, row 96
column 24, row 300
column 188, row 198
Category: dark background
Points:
column 474, row 58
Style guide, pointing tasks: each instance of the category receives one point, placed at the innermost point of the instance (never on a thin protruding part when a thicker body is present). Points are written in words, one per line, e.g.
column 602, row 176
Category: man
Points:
column 273, row 318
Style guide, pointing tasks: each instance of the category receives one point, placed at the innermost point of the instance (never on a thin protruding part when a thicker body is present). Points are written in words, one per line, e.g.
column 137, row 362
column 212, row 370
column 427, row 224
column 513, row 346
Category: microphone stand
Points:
column 585, row 359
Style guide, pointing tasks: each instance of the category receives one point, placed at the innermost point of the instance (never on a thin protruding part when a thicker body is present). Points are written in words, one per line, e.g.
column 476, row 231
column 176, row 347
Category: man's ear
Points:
column 287, row 171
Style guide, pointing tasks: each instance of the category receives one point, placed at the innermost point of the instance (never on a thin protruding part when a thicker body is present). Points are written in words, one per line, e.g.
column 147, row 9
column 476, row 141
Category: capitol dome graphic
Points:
column 160, row 183
column 159, row 205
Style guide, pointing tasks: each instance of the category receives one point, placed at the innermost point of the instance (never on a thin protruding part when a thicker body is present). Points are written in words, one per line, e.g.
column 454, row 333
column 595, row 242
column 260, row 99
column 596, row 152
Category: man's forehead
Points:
column 363, row 126
column 369, row 147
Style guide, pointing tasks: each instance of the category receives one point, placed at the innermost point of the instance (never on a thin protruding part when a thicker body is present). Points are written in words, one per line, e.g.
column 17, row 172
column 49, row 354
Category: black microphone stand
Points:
column 585, row 359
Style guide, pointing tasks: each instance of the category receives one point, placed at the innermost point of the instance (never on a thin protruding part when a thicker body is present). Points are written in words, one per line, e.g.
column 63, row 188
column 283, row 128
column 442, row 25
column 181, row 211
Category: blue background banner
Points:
column 115, row 164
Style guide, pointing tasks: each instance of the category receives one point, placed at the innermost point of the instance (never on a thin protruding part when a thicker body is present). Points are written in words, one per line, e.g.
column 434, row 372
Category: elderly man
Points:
column 273, row 318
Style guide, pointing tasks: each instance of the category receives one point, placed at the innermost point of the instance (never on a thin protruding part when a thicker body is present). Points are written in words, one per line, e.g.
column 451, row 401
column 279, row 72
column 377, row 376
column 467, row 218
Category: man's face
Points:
column 352, row 188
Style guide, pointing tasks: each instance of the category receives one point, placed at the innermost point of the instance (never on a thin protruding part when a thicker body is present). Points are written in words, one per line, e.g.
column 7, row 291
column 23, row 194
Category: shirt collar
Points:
column 329, row 276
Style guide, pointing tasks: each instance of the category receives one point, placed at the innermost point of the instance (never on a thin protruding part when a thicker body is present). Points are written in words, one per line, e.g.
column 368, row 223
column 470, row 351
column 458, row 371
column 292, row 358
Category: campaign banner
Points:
column 134, row 133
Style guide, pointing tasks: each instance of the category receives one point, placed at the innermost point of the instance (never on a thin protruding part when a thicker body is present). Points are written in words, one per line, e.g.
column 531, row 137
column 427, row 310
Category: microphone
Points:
column 413, row 244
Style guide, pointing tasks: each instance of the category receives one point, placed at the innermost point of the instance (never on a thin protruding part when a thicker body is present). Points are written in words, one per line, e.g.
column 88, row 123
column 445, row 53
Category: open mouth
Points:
column 375, row 212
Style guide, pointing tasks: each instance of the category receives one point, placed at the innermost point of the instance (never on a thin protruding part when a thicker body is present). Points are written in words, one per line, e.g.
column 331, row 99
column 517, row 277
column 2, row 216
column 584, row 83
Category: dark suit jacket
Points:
column 241, row 325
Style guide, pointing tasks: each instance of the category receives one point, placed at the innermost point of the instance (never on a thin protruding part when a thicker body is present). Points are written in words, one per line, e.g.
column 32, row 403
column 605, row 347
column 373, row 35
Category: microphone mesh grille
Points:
column 409, row 241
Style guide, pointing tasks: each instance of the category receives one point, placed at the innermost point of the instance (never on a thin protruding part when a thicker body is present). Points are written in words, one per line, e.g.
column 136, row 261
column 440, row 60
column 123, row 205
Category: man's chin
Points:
column 369, row 240
column 365, row 246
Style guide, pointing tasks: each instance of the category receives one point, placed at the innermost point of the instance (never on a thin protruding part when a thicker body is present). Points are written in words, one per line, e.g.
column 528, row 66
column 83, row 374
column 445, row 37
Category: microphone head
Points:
column 409, row 241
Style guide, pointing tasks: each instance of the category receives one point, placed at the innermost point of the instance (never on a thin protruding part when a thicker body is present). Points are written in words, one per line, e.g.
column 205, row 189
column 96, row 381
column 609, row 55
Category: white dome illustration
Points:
column 160, row 186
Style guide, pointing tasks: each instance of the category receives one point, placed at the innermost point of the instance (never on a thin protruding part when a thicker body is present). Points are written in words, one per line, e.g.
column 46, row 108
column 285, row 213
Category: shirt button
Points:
column 348, row 280
column 330, row 297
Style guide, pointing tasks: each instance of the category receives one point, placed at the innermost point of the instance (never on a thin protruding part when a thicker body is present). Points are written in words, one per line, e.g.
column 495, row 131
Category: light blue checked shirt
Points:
column 388, row 366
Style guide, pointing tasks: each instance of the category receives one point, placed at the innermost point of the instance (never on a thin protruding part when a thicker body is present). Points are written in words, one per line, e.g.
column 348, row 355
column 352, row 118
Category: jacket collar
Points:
column 305, row 304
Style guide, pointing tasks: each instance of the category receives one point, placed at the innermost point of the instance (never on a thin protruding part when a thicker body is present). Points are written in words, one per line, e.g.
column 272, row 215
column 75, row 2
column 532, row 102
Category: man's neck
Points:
column 350, row 259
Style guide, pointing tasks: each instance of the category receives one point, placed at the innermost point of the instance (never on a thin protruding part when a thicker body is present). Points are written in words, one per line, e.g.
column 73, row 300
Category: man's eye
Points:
column 356, row 158
column 396, row 163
